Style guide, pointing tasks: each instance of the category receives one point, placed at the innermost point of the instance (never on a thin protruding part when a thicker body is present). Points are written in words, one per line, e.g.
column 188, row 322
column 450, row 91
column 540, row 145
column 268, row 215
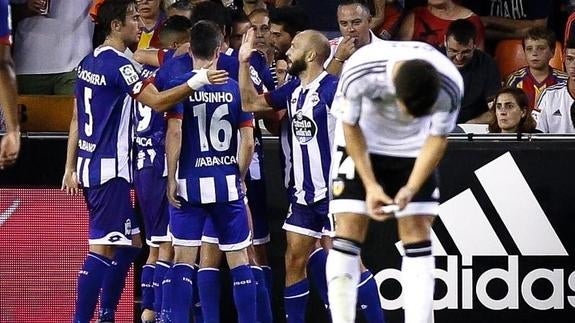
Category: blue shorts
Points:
column 111, row 216
column 310, row 220
column 151, row 194
column 229, row 220
column 258, row 207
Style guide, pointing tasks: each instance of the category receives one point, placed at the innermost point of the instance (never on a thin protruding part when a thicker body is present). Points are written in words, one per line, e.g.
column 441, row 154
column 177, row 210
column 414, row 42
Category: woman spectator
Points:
column 511, row 112
column 429, row 23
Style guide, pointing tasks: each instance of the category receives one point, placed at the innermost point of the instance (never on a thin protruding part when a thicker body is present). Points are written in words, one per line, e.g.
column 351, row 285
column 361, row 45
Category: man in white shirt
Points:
column 354, row 19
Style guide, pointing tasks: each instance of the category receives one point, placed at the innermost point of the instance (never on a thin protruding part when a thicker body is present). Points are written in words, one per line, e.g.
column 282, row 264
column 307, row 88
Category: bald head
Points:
column 315, row 41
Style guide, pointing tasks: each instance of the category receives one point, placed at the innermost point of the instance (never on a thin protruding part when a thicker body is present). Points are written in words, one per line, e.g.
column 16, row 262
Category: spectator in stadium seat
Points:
column 45, row 54
column 353, row 18
column 539, row 47
column 10, row 143
column 556, row 106
column 387, row 16
column 511, row 112
column 152, row 16
column 429, row 23
column 479, row 72
column 509, row 19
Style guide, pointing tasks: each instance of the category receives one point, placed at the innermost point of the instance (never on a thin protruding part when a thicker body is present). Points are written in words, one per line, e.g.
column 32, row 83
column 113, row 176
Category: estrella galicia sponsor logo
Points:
column 482, row 272
column 304, row 128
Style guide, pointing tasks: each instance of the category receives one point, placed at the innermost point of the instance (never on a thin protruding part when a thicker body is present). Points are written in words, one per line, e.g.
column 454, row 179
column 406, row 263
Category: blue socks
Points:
column 209, row 286
column 268, row 279
column 316, row 273
column 295, row 301
column 182, row 289
column 166, row 296
column 146, row 283
column 90, row 280
column 115, row 280
column 244, row 290
column 196, row 306
column 368, row 299
column 162, row 268
column 263, row 306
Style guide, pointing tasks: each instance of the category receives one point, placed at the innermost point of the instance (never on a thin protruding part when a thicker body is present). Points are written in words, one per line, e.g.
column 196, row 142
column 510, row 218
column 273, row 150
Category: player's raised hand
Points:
column 70, row 182
column 375, row 198
column 247, row 47
column 172, row 193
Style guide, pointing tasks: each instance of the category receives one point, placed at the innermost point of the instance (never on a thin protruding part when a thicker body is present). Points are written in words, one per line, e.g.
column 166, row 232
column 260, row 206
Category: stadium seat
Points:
column 509, row 56
column 46, row 113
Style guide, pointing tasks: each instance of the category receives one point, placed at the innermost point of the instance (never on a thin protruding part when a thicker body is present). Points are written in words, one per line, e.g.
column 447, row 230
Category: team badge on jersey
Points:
column 129, row 74
column 304, row 128
column 337, row 187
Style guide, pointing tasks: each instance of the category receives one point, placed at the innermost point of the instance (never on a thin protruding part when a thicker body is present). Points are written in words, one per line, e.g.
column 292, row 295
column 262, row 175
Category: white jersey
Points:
column 366, row 96
column 554, row 107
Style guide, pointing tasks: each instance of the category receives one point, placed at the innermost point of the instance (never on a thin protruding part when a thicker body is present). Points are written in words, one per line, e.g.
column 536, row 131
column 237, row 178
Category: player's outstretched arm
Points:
column 356, row 148
column 431, row 153
column 70, row 179
column 251, row 100
column 173, row 148
column 147, row 56
column 163, row 101
column 10, row 143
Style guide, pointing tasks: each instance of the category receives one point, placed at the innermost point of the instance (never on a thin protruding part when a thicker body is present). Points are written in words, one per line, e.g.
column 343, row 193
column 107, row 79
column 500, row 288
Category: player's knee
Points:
column 295, row 259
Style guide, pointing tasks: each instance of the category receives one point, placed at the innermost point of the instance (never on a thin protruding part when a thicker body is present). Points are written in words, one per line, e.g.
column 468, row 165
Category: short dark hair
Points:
column 570, row 43
column 417, row 85
column 175, row 25
column 527, row 124
column 212, row 11
column 112, row 10
column 205, row 38
column 292, row 19
column 182, row 5
column 362, row 3
column 462, row 30
column 541, row 33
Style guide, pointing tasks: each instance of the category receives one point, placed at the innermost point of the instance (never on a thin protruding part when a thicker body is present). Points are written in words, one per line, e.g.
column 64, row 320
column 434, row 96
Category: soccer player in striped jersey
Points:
column 307, row 100
column 207, row 163
column 150, row 176
column 10, row 143
column 396, row 102
column 98, row 156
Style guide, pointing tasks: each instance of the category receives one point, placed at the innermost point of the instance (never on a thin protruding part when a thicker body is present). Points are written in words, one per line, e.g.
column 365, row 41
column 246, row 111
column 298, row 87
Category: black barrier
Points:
column 504, row 240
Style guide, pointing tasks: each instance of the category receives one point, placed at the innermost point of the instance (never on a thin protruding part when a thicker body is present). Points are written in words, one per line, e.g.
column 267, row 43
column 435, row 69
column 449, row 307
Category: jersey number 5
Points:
column 216, row 125
column 89, row 125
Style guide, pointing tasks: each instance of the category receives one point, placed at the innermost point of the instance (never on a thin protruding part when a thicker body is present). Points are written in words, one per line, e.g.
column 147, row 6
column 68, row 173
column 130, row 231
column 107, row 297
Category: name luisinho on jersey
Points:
column 211, row 97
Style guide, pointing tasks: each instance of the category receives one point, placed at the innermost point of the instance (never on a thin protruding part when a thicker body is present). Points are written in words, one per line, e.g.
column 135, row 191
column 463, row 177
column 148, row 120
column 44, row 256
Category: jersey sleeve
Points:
column 128, row 78
column 278, row 98
column 5, row 38
column 446, row 108
column 359, row 79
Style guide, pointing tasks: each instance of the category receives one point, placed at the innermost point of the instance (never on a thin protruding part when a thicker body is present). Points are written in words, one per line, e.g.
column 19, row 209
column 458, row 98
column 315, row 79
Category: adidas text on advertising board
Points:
column 467, row 279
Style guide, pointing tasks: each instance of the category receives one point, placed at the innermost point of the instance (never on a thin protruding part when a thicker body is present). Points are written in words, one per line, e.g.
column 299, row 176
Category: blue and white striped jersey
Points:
column 150, row 130
column 208, row 169
column 106, row 81
column 311, row 127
